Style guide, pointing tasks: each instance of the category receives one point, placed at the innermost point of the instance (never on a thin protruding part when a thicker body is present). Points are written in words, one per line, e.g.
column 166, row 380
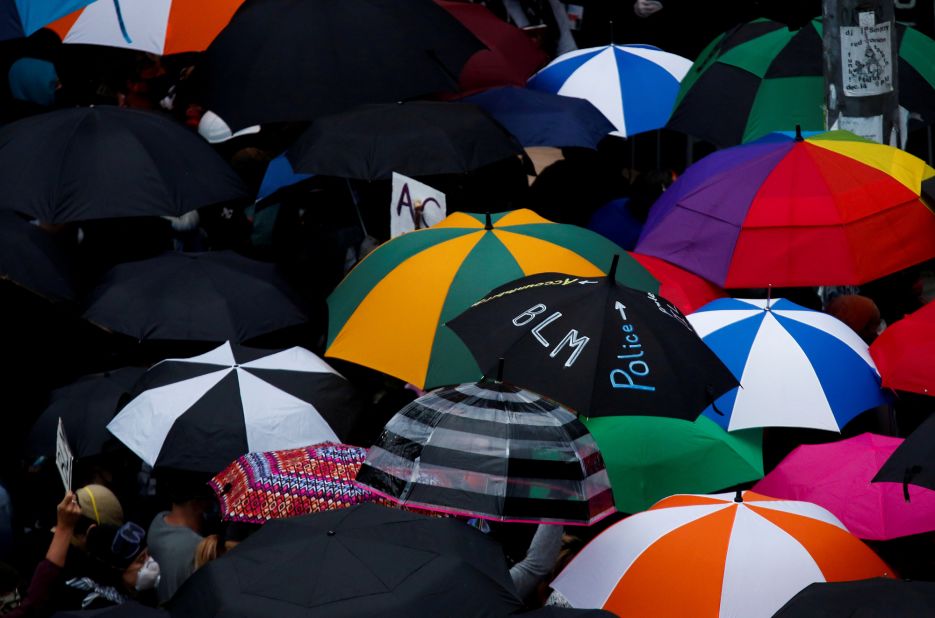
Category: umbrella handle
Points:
column 713, row 400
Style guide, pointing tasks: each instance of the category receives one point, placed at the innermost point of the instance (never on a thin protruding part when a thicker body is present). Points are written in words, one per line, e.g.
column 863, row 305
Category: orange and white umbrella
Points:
column 723, row 555
column 156, row 26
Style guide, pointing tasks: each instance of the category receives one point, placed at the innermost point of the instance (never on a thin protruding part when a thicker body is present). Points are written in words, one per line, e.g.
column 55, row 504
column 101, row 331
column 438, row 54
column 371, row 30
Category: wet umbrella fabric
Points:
column 774, row 77
column 85, row 407
column 212, row 296
column 797, row 367
column 600, row 348
column 366, row 560
column 109, row 162
column 650, row 457
column 866, row 598
column 30, row 258
column 544, row 119
column 493, row 451
column 828, row 209
column 283, row 61
column 905, row 353
column 421, row 138
column 913, row 462
column 837, row 477
column 258, row 487
column 418, row 281
column 732, row 554
column 202, row 413
column 634, row 86
column 130, row 609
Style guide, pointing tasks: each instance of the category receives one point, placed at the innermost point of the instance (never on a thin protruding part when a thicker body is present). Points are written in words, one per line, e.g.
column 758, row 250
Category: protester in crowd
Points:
column 37, row 601
column 120, row 569
column 174, row 535
column 858, row 312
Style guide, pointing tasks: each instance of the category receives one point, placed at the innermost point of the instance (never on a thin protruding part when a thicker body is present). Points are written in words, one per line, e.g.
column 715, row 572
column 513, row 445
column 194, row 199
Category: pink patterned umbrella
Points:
column 258, row 487
column 837, row 476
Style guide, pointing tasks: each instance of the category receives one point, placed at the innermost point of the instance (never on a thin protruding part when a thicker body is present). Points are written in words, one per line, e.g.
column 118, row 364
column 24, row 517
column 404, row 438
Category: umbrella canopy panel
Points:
column 365, row 560
column 109, row 162
column 285, row 61
column 905, row 353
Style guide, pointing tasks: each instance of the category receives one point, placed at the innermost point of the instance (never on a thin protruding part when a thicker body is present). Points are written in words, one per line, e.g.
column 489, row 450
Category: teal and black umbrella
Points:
column 762, row 77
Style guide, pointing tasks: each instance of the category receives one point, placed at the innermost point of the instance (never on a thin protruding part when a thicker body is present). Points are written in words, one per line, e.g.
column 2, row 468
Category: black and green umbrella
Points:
column 762, row 77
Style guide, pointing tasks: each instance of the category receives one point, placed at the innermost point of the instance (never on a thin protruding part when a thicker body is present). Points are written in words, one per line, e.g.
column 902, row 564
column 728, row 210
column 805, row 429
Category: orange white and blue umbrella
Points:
column 20, row 18
column 156, row 26
column 739, row 555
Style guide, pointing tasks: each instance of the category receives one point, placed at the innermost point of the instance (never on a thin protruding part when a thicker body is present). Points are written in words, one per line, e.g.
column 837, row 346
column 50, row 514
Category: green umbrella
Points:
column 761, row 77
column 649, row 458
column 389, row 313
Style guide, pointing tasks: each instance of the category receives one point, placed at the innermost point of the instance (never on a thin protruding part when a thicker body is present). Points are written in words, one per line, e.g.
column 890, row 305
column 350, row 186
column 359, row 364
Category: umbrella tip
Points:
column 798, row 133
column 738, row 498
column 488, row 224
column 612, row 273
column 331, row 533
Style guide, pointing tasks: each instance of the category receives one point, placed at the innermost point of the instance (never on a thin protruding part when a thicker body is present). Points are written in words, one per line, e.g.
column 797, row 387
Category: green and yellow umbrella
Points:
column 389, row 313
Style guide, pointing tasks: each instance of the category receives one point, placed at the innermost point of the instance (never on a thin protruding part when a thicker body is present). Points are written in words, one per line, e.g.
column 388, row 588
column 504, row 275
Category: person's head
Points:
column 858, row 312
column 121, row 557
column 99, row 506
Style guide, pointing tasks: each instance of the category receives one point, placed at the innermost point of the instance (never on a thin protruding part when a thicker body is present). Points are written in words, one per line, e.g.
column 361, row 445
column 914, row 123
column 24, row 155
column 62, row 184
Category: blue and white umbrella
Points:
column 797, row 367
column 633, row 85
column 21, row 18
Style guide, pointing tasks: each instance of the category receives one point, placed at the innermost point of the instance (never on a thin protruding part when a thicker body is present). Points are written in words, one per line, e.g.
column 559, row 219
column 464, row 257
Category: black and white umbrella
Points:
column 201, row 413
column 493, row 451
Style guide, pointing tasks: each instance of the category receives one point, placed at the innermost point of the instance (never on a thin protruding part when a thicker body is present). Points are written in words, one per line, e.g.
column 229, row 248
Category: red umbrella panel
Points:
column 510, row 58
column 905, row 353
column 685, row 290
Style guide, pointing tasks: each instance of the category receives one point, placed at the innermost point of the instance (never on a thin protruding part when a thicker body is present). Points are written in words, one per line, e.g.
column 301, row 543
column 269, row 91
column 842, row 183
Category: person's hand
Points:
column 69, row 512
column 645, row 8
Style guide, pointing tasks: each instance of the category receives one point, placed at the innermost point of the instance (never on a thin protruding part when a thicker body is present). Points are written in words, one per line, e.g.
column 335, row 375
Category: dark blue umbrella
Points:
column 20, row 18
column 544, row 119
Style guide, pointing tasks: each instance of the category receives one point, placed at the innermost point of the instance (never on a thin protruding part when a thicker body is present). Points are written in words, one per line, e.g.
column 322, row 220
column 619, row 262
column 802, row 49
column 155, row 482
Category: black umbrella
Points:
column 913, row 462
column 214, row 296
column 130, row 609
column 601, row 348
column 99, row 162
column 31, row 258
column 417, row 139
column 285, row 60
column 366, row 560
column 202, row 413
column 85, row 407
column 867, row 598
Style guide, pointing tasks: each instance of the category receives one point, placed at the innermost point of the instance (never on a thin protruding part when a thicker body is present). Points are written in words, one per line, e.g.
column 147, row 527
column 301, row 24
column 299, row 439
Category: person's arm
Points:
column 48, row 571
column 541, row 557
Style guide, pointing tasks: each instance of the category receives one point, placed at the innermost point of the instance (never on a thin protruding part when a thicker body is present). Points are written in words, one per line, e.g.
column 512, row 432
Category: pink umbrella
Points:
column 837, row 476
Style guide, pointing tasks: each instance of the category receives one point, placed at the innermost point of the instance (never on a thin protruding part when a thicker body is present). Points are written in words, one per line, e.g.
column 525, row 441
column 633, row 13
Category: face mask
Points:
column 148, row 577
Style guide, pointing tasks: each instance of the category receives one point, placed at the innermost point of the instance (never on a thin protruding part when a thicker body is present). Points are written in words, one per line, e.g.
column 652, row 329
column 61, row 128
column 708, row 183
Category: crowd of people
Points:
column 125, row 532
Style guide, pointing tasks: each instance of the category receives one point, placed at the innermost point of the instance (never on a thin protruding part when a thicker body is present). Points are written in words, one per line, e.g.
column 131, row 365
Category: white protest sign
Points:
column 414, row 205
column 870, row 127
column 63, row 457
column 866, row 60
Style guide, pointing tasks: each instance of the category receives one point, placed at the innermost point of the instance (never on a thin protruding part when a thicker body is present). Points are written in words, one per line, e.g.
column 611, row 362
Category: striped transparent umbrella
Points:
column 493, row 451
